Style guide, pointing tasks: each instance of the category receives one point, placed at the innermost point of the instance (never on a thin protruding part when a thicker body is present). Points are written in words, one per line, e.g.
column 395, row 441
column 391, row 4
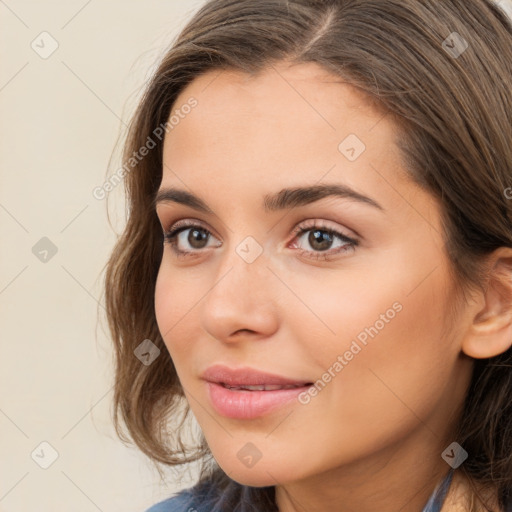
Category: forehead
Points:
column 284, row 114
column 249, row 137
column 281, row 79
column 279, row 92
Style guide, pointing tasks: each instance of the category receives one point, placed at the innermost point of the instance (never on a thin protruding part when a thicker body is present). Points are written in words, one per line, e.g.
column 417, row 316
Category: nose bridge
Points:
column 240, row 297
column 243, row 269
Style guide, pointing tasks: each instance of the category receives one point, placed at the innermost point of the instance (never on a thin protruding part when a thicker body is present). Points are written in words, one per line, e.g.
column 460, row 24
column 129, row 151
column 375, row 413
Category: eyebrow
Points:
column 286, row 198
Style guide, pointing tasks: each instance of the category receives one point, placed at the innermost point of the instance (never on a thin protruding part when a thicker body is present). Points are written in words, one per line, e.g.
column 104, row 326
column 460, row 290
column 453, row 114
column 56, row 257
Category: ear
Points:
column 490, row 332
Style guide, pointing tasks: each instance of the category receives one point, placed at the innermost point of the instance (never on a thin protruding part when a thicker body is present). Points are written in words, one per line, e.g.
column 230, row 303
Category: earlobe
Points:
column 489, row 338
column 490, row 332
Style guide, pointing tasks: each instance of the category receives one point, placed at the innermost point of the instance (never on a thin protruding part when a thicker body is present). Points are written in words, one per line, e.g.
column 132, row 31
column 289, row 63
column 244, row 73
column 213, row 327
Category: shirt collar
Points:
column 436, row 500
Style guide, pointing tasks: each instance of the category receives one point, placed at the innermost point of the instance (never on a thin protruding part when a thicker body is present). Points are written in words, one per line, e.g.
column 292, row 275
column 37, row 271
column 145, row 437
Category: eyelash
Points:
column 350, row 244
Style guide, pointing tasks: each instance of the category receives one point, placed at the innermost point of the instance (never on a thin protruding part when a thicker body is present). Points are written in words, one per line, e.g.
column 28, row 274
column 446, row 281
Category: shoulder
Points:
column 461, row 495
column 178, row 503
column 187, row 500
column 216, row 494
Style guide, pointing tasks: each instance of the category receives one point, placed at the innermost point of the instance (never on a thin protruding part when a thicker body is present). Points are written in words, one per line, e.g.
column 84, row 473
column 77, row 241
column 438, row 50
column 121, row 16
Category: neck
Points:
column 400, row 477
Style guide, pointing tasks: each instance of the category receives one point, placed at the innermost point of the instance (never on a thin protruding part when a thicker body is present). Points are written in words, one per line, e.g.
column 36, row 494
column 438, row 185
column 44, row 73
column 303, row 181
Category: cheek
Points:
column 396, row 359
column 174, row 301
column 386, row 326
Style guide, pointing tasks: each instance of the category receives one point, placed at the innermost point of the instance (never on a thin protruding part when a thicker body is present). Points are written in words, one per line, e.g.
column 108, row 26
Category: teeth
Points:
column 263, row 387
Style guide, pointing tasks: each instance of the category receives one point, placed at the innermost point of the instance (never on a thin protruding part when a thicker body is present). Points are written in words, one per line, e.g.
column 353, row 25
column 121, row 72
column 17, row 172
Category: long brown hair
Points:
column 453, row 106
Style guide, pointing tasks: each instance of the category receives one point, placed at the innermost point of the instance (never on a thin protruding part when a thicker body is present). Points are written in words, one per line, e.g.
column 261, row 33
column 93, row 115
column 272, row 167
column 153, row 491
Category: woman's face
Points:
column 363, row 320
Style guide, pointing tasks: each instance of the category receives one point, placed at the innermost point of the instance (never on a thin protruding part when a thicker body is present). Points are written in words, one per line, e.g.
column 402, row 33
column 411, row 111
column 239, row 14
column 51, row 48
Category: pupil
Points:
column 324, row 240
column 195, row 237
column 321, row 240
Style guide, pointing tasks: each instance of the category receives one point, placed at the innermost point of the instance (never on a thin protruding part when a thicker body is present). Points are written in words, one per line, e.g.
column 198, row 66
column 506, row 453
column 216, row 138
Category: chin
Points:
column 262, row 474
column 260, row 479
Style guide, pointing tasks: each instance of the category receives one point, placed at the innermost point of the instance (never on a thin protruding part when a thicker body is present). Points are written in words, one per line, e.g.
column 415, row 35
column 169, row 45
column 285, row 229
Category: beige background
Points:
column 60, row 118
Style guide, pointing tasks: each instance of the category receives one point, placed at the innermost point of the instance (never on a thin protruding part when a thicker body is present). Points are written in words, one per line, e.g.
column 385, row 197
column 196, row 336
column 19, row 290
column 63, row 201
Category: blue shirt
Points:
column 189, row 501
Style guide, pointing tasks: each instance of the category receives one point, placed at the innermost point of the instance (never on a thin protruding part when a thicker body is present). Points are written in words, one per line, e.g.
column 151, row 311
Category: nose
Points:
column 241, row 301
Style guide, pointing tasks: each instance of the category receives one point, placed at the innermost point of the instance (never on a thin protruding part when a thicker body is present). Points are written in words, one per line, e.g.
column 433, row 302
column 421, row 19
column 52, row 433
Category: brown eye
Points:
column 187, row 238
column 321, row 240
column 196, row 237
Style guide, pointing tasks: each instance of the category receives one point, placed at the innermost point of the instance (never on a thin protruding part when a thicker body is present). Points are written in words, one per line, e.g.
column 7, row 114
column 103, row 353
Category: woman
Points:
column 318, row 255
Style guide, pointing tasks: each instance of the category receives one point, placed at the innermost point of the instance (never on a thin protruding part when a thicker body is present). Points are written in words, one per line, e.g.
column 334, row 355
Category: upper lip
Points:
column 246, row 376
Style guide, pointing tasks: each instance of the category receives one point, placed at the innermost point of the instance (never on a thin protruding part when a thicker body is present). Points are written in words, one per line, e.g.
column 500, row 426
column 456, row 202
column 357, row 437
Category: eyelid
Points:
column 312, row 223
column 349, row 243
column 189, row 222
column 322, row 224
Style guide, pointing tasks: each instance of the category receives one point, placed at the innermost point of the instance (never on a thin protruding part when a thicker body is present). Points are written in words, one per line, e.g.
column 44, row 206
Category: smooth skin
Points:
column 372, row 438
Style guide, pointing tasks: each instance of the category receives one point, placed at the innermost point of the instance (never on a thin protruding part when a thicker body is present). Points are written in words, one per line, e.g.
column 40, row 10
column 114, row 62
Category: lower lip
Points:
column 245, row 405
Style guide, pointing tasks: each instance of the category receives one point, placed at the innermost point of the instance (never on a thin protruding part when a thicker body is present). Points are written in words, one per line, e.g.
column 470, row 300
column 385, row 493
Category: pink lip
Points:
column 247, row 376
column 245, row 404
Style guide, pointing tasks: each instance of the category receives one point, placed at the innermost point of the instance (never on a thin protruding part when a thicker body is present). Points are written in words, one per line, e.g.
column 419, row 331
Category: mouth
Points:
column 248, row 378
column 263, row 387
column 248, row 393
column 247, row 402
